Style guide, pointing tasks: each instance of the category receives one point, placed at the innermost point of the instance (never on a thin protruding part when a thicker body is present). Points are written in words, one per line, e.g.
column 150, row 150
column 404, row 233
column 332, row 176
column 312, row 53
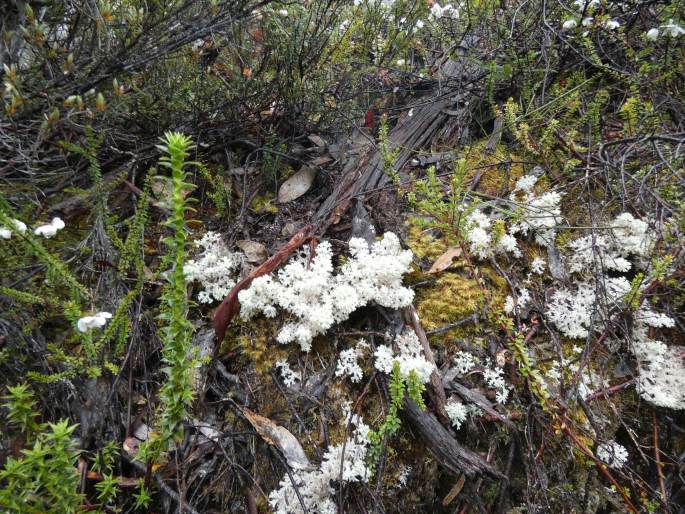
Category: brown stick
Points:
column 657, row 458
column 439, row 397
column 231, row 306
column 600, row 465
column 609, row 390
column 444, row 447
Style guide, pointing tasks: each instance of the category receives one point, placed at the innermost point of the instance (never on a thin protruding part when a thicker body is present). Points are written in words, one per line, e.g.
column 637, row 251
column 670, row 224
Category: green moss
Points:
column 263, row 204
column 425, row 243
column 254, row 340
column 498, row 170
column 453, row 297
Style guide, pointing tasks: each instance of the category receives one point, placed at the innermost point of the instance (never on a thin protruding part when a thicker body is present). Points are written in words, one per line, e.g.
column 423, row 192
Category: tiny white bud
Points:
column 652, row 34
column 57, row 223
column 569, row 24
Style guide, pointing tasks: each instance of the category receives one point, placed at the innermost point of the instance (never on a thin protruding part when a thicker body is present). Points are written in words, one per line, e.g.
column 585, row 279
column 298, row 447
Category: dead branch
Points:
column 447, row 451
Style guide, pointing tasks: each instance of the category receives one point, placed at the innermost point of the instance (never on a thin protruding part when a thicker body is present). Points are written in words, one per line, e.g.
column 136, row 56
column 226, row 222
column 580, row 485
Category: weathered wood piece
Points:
column 445, row 448
column 446, row 114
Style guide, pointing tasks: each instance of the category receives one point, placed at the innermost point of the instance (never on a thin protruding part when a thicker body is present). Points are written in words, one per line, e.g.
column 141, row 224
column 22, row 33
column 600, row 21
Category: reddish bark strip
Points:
column 231, row 306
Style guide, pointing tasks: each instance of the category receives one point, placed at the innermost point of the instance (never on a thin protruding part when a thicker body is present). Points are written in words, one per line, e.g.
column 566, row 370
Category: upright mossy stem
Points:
column 176, row 394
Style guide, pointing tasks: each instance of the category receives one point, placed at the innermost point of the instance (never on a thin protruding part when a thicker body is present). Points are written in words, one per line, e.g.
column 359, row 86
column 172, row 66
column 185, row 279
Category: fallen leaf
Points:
column 208, row 432
column 454, row 492
column 279, row 437
column 255, row 253
column 369, row 119
column 132, row 446
column 321, row 160
column 318, row 141
column 163, row 189
column 297, row 185
column 445, row 260
column 123, row 482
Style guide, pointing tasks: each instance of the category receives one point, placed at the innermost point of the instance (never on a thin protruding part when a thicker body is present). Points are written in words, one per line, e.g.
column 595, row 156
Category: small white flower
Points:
column 569, row 24
column 583, row 4
column 98, row 320
column 652, row 34
column 673, row 29
column 419, row 24
column 51, row 229
column 612, row 24
column 20, row 226
column 57, row 223
column 436, row 10
column 587, row 21
column 283, row 12
column 401, row 62
column 46, row 231
column 450, row 11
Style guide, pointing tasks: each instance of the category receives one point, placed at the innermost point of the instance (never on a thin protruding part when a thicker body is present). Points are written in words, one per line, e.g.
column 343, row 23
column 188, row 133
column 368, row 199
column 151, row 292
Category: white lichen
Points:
column 409, row 357
column 317, row 487
column 317, row 296
column 347, row 362
column 290, row 378
column 612, row 454
column 216, row 268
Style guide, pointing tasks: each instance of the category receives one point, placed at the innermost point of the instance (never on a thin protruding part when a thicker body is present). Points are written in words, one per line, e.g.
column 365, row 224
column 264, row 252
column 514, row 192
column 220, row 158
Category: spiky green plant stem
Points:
column 177, row 393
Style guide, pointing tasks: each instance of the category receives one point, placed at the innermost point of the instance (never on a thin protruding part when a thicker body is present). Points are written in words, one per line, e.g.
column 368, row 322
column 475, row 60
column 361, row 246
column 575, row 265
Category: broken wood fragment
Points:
column 447, row 451
column 437, row 391
column 445, row 116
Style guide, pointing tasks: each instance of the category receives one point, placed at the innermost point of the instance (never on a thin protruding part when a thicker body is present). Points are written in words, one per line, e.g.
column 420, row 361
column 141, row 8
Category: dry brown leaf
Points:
column 255, row 253
column 279, row 437
column 163, row 189
column 317, row 140
column 321, row 160
column 132, row 446
column 123, row 482
column 454, row 492
column 297, row 185
column 445, row 260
